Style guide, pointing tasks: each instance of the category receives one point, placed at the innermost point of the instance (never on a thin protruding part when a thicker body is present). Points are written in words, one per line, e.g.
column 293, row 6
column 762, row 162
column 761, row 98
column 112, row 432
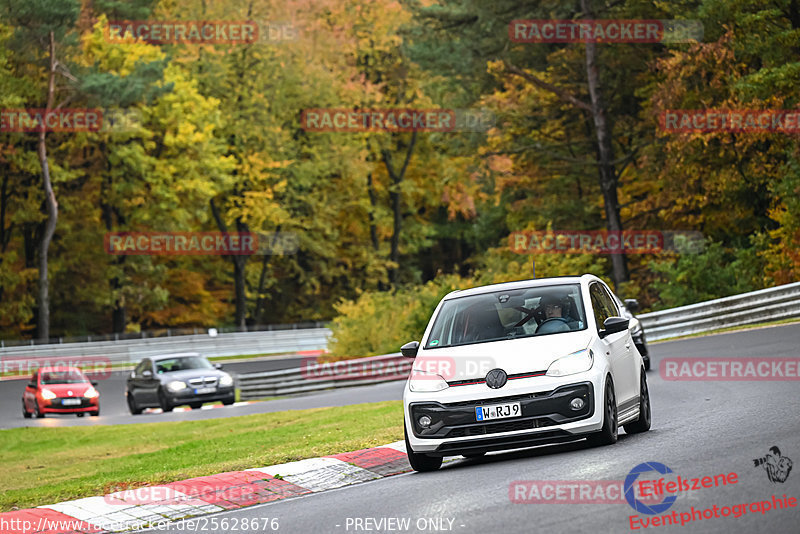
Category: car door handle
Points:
column 627, row 346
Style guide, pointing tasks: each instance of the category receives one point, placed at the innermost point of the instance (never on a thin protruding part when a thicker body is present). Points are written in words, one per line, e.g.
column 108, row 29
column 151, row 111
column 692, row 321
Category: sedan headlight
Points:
column 577, row 362
column 91, row 393
column 226, row 380
column 422, row 381
column 176, row 385
column 47, row 394
column 635, row 327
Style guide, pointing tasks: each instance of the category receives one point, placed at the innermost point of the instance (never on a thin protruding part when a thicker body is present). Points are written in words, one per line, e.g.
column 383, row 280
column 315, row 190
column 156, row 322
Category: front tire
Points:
column 421, row 462
column 643, row 423
column 36, row 412
column 163, row 401
column 609, row 433
column 25, row 412
column 135, row 410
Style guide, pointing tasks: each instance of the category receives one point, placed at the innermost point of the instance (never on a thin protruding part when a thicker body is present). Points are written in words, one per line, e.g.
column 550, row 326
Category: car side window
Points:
column 143, row 366
column 598, row 305
column 34, row 380
column 611, row 304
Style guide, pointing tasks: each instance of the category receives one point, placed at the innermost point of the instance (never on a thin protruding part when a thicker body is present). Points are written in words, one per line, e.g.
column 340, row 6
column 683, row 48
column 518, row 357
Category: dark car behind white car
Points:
column 177, row 379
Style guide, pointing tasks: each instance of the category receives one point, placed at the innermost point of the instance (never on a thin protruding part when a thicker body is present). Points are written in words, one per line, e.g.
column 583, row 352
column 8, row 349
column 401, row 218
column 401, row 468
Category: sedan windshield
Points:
column 508, row 314
column 170, row 365
column 63, row 377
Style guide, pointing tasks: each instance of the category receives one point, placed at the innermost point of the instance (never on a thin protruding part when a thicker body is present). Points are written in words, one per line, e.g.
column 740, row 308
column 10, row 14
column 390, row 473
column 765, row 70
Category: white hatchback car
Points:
column 519, row 364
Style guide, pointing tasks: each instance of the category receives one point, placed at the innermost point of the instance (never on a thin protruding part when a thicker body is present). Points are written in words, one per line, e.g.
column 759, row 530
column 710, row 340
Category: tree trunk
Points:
column 373, row 230
column 239, row 264
column 43, row 327
column 260, row 300
column 608, row 176
column 394, row 195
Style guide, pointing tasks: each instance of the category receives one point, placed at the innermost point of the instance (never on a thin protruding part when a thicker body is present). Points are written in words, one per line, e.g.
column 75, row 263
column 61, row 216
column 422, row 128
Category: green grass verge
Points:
column 728, row 329
column 49, row 465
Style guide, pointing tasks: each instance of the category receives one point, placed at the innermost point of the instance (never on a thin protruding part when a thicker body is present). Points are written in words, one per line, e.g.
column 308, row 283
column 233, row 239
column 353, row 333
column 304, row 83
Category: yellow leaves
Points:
column 116, row 58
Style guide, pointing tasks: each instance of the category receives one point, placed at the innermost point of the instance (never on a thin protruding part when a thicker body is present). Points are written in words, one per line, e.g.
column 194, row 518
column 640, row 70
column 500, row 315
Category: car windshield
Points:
column 63, row 377
column 170, row 365
column 508, row 314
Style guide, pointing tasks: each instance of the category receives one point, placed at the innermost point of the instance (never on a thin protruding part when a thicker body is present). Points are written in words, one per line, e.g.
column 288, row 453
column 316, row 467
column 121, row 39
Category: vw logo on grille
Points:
column 496, row 378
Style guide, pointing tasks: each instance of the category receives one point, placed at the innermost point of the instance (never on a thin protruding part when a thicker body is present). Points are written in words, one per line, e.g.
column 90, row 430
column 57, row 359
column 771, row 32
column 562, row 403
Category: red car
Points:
column 60, row 390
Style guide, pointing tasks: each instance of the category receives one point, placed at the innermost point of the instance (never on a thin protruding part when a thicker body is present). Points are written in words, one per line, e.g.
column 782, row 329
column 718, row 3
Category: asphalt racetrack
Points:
column 700, row 428
column 114, row 410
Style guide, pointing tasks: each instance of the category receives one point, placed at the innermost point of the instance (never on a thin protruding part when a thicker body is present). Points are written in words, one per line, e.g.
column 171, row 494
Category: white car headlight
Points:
column 47, row 394
column 577, row 362
column 226, row 380
column 176, row 385
column 91, row 393
column 426, row 382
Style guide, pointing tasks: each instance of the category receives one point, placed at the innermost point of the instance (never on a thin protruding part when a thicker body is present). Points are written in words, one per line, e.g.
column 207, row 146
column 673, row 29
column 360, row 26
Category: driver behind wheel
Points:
column 558, row 307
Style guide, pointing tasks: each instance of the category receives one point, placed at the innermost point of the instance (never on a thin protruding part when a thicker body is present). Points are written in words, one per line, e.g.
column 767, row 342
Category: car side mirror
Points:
column 409, row 350
column 217, row 366
column 93, row 382
column 613, row 325
column 632, row 305
column 147, row 374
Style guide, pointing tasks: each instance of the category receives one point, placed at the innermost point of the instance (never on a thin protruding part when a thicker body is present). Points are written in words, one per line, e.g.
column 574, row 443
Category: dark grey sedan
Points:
column 176, row 379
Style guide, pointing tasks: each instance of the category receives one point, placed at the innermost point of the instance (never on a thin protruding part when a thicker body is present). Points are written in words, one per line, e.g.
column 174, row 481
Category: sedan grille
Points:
column 205, row 381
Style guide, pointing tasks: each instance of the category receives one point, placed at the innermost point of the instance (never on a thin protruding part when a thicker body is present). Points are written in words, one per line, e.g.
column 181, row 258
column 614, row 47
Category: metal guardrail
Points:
column 771, row 304
column 161, row 332
column 314, row 376
column 132, row 350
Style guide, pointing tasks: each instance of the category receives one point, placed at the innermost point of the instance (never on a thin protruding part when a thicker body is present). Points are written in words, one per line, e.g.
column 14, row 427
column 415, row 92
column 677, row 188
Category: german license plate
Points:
column 71, row 402
column 498, row 411
column 202, row 391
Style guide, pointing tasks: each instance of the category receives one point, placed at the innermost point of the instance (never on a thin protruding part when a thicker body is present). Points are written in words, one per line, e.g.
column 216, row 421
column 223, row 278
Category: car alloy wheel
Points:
column 25, row 413
column 36, row 412
column 609, row 433
column 421, row 462
column 643, row 423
